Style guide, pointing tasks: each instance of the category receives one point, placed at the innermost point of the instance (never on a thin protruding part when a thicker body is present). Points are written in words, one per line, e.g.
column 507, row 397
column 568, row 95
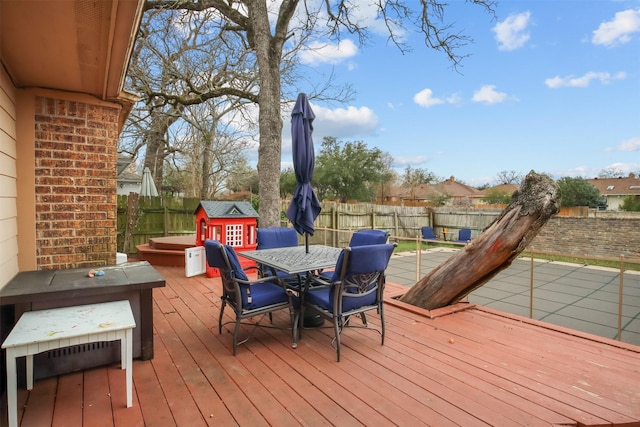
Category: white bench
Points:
column 43, row 330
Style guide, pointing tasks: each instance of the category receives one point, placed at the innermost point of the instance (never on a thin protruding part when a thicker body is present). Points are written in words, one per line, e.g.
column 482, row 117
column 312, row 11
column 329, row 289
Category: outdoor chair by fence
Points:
column 356, row 287
column 428, row 234
column 276, row 237
column 464, row 235
column 247, row 298
column 369, row 237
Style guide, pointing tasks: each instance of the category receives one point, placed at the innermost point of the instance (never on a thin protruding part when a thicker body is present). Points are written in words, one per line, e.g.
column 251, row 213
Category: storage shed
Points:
column 231, row 223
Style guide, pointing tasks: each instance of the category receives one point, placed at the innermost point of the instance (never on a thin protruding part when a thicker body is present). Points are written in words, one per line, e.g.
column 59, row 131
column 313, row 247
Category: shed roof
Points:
column 223, row 209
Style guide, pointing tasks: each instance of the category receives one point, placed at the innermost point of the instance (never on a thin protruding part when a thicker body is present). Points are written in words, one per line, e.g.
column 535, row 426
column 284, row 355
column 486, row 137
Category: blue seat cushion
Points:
column 323, row 297
column 262, row 295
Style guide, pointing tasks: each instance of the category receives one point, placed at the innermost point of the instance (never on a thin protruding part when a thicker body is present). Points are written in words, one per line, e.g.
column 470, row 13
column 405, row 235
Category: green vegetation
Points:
column 349, row 170
column 631, row 204
column 495, row 197
column 579, row 192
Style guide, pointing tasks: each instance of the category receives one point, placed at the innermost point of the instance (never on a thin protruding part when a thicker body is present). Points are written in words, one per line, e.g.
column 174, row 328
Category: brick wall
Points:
column 597, row 237
column 75, row 183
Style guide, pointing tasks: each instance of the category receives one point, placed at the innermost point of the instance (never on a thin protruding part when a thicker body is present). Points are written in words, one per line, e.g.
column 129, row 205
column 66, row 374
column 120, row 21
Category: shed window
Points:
column 234, row 234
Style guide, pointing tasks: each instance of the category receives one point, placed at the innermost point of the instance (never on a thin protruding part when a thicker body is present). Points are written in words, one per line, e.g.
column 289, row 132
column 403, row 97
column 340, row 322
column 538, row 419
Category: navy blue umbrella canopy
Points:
column 305, row 206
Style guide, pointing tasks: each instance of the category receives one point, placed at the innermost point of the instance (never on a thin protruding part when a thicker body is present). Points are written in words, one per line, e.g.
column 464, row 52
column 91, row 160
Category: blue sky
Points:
column 552, row 86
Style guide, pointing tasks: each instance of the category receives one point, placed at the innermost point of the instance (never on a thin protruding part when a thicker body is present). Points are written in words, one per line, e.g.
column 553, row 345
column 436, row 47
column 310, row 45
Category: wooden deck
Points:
column 470, row 368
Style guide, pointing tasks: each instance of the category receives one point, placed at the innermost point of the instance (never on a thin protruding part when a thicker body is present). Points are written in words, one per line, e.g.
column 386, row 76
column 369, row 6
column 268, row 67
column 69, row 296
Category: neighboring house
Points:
column 450, row 191
column 496, row 189
column 128, row 181
column 615, row 190
column 62, row 106
column 458, row 194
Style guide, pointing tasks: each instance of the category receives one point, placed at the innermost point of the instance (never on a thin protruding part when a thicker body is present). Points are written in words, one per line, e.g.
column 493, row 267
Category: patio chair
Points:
column 362, row 238
column 356, row 287
column 369, row 237
column 247, row 298
column 276, row 237
column 428, row 234
column 464, row 235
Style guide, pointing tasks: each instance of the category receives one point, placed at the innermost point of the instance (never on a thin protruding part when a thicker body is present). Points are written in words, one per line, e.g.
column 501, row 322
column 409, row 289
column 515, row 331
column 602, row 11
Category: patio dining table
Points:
column 295, row 260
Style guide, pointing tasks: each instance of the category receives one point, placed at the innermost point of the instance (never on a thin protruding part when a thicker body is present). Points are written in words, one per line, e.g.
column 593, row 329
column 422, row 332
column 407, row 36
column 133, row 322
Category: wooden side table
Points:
column 43, row 330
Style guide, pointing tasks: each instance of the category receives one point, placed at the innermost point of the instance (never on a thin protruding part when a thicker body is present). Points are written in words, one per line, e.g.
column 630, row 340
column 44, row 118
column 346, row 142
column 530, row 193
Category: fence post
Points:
column 418, row 258
column 531, row 288
column 395, row 223
column 620, row 292
column 166, row 220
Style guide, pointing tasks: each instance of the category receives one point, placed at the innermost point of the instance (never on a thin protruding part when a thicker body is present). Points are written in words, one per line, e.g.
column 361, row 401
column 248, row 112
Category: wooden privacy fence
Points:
column 601, row 234
column 337, row 221
column 142, row 218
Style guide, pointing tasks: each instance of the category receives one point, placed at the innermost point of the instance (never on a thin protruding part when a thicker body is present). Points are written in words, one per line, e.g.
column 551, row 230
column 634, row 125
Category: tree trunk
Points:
column 499, row 244
column 269, row 54
column 206, row 166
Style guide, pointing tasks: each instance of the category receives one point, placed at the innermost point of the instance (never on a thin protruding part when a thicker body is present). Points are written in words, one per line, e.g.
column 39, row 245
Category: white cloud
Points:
column 344, row 123
column 317, row 53
column 425, row 98
column 631, row 144
column 412, row 160
column 618, row 30
column 489, row 95
column 512, row 33
column 583, row 81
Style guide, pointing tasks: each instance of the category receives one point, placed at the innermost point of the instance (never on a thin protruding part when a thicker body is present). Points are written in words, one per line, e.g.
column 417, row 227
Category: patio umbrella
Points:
column 148, row 187
column 305, row 206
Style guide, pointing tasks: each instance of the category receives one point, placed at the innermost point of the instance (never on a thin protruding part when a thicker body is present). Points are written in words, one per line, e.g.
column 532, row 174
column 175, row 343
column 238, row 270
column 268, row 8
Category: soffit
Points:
column 72, row 45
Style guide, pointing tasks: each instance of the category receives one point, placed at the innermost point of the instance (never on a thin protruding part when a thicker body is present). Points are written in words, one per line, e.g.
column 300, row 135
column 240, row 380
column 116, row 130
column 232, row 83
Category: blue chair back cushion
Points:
column 262, row 294
column 362, row 259
column 277, row 237
column 368, row 237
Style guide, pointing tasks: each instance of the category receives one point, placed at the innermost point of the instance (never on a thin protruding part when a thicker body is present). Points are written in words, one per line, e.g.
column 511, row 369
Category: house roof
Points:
column 74, row 45
column 449, row 188
column 453, row 188
column 621, row 186
column 128, row 177
column 223, row 209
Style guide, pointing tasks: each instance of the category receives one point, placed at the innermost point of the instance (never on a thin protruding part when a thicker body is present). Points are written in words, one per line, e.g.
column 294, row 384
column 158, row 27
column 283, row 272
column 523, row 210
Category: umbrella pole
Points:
column 306, row 242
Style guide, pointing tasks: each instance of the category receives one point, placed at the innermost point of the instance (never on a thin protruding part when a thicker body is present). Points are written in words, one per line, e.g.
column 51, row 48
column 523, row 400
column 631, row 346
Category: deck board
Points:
column 474, row 367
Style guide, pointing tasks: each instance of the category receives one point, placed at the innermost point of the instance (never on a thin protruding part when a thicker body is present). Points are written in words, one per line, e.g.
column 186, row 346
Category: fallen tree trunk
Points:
column 497, row 246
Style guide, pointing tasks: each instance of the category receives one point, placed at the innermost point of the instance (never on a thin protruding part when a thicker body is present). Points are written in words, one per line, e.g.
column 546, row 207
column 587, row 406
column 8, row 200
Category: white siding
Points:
column 8, row 191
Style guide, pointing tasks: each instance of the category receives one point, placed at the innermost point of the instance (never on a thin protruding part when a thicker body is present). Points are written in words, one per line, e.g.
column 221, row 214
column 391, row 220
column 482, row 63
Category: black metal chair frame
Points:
column 231, row 286
column 347, row 287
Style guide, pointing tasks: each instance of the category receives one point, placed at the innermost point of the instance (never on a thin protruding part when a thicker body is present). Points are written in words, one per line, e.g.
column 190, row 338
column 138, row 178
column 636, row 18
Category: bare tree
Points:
column 509, row 177
column 181, row 62
column 264, row 40
column 413, row 178
column 611, row 172
column 207, row 150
